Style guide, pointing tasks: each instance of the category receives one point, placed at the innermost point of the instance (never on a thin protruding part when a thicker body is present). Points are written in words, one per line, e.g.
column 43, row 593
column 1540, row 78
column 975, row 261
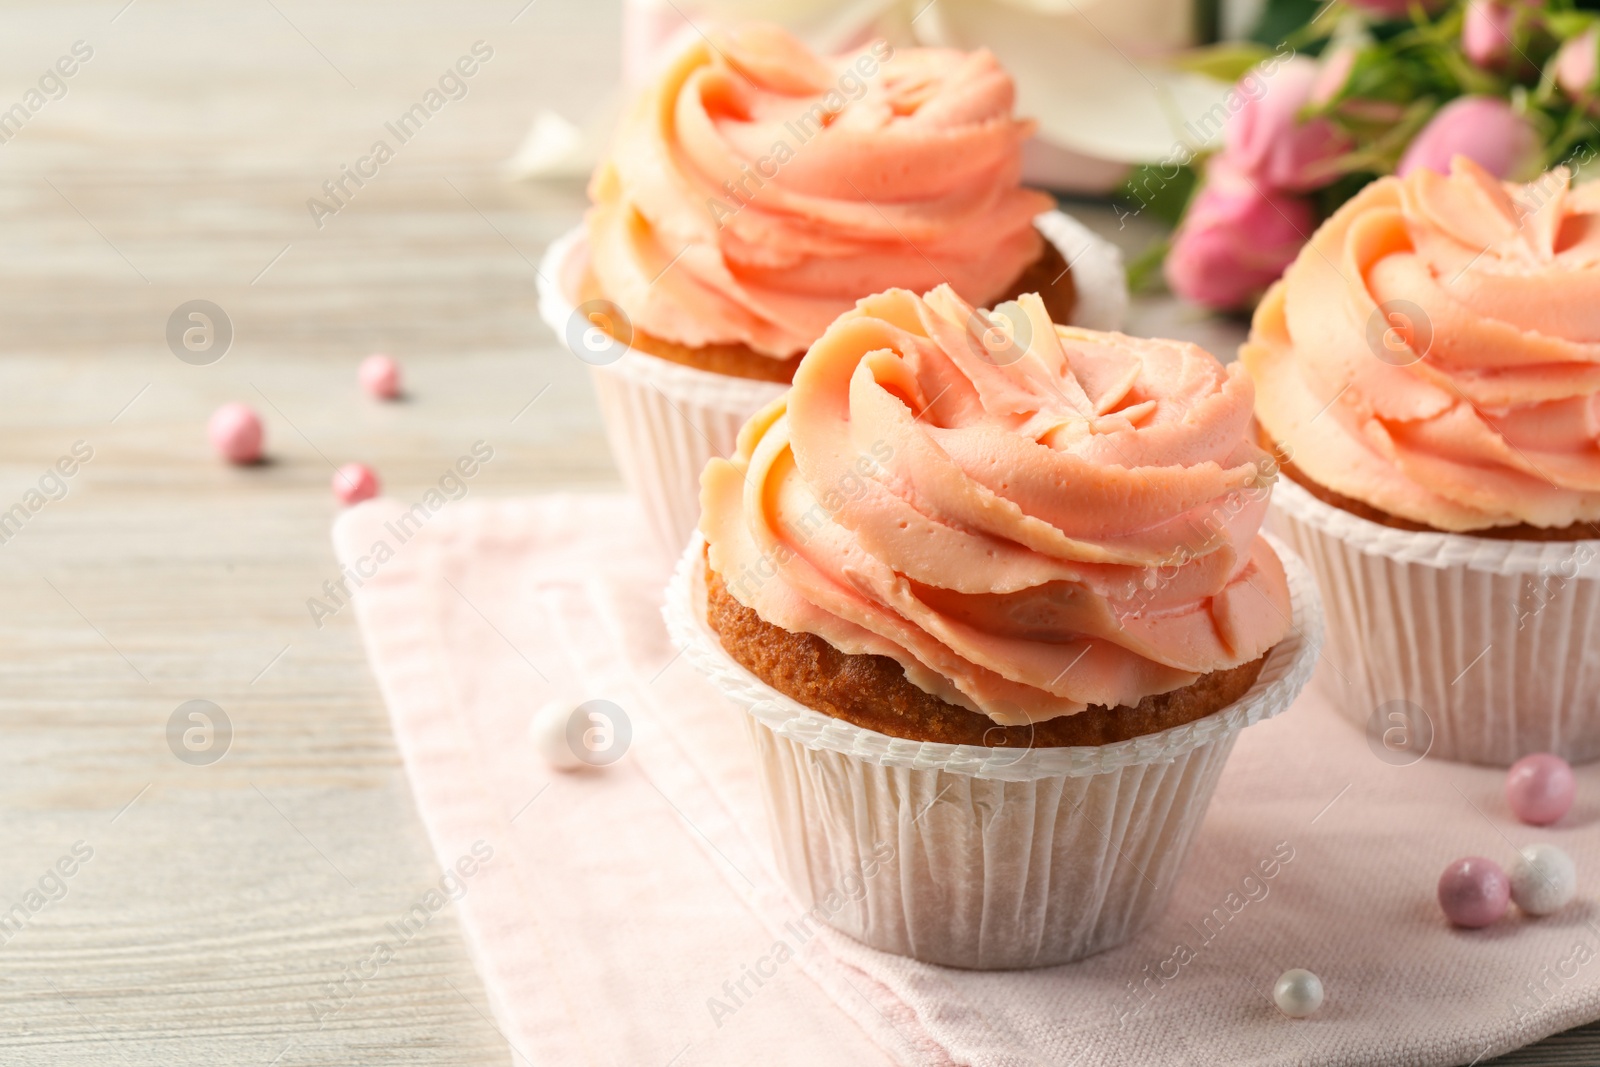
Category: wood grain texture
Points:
column 221, row 900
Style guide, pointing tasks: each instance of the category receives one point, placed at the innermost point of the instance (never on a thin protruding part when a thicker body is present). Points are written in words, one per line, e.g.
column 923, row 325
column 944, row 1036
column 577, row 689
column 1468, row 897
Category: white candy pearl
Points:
column 1298, row 993
column 1543, row 880
column 548, row 731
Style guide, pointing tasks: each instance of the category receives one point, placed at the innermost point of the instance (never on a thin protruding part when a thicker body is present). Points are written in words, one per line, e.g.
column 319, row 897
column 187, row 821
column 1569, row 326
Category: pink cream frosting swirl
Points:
column 1074, row 524
column 1435, row 351
column 757, row 190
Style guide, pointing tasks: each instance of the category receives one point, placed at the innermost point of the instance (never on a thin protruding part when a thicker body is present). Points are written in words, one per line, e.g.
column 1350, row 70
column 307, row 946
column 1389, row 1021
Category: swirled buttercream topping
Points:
column 1435, row 351
column 1031, row 519
column 757, row 190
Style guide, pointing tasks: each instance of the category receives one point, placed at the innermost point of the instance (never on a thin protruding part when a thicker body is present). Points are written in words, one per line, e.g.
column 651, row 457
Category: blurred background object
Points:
column 1095, row 74
column 1395, row 87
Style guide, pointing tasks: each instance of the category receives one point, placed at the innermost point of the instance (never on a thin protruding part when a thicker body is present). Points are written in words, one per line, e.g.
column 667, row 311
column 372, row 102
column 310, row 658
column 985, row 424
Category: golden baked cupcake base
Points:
column 873, row 692
column 1048, row 276
column 1578, row 531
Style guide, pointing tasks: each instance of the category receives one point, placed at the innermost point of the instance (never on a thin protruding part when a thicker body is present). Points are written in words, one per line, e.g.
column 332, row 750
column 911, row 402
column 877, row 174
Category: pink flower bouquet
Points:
column 1397, row 85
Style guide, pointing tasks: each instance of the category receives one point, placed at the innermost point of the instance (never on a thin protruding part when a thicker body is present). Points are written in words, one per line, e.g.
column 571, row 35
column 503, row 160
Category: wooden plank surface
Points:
column 221, row 900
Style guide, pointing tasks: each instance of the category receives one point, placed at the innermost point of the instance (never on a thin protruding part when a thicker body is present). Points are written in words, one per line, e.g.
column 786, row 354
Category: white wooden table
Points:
column 221, row 900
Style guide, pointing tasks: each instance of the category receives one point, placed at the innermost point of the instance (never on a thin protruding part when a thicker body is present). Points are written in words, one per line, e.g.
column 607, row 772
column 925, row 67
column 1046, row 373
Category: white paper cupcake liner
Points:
column 977, row 857
column 664, row 420
column 1100, row 280
column 1495, row 645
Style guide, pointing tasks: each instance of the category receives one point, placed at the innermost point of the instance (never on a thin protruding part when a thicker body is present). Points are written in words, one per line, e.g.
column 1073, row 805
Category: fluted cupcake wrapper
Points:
column 976, row 857
column 1451, row 646
column 665, row 421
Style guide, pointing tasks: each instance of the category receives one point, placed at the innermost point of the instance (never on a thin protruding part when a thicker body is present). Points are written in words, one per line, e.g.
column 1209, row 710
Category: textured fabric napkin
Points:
column 630, row 914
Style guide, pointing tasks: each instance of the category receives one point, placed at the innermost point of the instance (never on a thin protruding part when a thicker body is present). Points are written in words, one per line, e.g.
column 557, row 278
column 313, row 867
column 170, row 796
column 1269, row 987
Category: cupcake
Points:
column 997, row 615
column 754, row 193
column 1429, row 368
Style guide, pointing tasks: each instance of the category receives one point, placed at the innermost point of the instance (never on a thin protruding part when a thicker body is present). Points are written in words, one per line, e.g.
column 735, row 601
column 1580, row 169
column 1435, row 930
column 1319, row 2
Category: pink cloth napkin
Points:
column 631, row 915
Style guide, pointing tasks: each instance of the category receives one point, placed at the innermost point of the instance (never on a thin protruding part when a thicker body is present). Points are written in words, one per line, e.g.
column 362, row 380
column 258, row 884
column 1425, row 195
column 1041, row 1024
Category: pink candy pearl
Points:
column 1474, row 892
column 1540, row 788
column 235, row 432
column 354, row 482
column 380, row 376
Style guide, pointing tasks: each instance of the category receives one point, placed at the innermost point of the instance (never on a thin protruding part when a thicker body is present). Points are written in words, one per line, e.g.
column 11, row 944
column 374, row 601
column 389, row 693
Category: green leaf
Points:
column 1281, row 18
column 1144, row 273
column 1568, row 24
column 1227, row 62
column 1159, row 191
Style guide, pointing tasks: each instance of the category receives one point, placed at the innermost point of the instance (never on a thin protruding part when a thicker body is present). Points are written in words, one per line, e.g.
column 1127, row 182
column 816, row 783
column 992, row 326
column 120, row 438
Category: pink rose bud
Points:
column 1267, row 140
column 1483, row 128
column 354, row 482
column 1236, row 240
column 380, row 376
column 1575, row 64
column 1486, row 32
column 235, row 432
